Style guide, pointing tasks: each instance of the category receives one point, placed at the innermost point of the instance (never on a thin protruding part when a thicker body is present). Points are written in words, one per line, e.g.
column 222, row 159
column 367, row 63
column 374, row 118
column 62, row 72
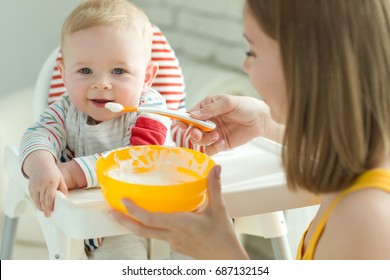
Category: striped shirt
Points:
column 65, row 132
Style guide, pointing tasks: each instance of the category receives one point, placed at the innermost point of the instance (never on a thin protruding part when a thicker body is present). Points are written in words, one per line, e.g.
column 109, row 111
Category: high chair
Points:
column 258, row 188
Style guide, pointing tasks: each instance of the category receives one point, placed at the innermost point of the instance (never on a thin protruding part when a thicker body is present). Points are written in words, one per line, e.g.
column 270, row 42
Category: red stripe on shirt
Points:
column 62, row 121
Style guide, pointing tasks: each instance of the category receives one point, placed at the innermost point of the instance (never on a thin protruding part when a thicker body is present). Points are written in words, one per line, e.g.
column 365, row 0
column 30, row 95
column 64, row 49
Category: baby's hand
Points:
column 44, row 180
column 43, row 187
column 73, row 174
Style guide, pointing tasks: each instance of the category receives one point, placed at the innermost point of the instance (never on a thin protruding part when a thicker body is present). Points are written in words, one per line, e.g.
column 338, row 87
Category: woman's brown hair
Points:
column 336, row 59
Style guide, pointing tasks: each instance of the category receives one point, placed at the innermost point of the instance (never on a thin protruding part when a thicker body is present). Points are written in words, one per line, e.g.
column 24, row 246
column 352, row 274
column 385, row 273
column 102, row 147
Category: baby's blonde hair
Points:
column 108, row 12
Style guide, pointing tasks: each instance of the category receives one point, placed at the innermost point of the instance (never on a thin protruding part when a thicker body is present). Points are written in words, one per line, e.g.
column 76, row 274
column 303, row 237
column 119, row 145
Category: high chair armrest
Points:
column 16, row 114
column 11, row 162
column 81, row 214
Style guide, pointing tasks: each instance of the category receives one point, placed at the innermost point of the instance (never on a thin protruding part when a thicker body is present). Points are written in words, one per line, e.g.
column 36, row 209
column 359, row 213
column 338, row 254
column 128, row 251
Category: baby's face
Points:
column 104, row 64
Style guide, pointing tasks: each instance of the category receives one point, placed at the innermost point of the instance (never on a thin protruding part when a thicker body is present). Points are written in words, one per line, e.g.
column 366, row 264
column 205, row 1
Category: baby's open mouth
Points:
column 100, row 102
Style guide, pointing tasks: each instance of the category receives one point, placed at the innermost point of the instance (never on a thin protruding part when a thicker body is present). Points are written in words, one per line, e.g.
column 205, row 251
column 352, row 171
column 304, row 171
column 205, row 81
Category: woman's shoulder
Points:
column 359, row 226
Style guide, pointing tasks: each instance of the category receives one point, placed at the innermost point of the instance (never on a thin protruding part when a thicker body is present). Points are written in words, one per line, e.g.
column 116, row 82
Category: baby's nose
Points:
column 102, row 84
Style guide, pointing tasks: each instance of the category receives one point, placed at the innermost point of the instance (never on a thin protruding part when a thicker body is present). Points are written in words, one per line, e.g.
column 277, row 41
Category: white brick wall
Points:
column 206, row 31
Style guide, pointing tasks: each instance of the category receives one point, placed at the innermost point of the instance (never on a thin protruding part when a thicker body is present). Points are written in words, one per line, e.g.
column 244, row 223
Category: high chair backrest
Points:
column 43, row 84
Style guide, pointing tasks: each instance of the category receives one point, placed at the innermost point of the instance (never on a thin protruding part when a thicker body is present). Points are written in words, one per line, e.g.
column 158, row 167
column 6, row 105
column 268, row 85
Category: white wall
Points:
column 207, row 37
column 208, row 31
column 29, row 30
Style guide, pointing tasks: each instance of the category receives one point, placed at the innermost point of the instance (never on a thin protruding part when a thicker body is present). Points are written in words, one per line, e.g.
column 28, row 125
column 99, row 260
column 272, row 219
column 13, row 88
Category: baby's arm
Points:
column 44, row 179
column 40, row 148
column 73, row 174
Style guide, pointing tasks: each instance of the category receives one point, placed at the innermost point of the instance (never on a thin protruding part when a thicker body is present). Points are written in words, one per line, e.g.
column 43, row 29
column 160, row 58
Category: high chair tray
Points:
column 252, row 183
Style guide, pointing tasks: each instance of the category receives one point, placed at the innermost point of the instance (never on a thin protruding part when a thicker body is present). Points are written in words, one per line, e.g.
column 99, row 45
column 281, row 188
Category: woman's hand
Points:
column 202, row 235
column 239, row 119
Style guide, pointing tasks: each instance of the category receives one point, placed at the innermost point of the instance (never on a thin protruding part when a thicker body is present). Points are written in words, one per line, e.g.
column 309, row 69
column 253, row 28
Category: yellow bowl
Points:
column 157, row 178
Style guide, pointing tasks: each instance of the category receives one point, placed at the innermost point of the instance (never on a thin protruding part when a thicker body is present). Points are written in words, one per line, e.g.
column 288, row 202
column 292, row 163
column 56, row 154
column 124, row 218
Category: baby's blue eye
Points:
column 118, row 71
column 85, row 71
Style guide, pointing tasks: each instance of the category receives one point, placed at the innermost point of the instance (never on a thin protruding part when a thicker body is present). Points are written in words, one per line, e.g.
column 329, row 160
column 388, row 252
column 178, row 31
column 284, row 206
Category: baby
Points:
column 106, row 49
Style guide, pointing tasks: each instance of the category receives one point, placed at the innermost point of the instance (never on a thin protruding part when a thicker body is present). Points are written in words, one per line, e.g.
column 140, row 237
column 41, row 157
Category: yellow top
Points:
column 375, row 178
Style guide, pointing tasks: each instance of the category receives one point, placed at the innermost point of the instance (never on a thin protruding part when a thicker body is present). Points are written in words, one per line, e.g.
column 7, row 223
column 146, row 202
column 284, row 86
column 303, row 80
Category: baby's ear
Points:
column 61, row 67
column 151, row 73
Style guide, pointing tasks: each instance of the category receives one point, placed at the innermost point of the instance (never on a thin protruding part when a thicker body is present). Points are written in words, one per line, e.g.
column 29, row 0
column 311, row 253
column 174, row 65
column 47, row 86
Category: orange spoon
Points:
column 183, row 117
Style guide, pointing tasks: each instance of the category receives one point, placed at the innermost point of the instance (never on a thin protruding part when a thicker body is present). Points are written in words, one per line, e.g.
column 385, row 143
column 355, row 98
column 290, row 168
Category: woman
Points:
column 323, row 69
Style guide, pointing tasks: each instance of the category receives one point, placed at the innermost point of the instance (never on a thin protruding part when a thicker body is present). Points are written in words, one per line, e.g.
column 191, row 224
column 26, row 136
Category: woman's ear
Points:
column 151, row 73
